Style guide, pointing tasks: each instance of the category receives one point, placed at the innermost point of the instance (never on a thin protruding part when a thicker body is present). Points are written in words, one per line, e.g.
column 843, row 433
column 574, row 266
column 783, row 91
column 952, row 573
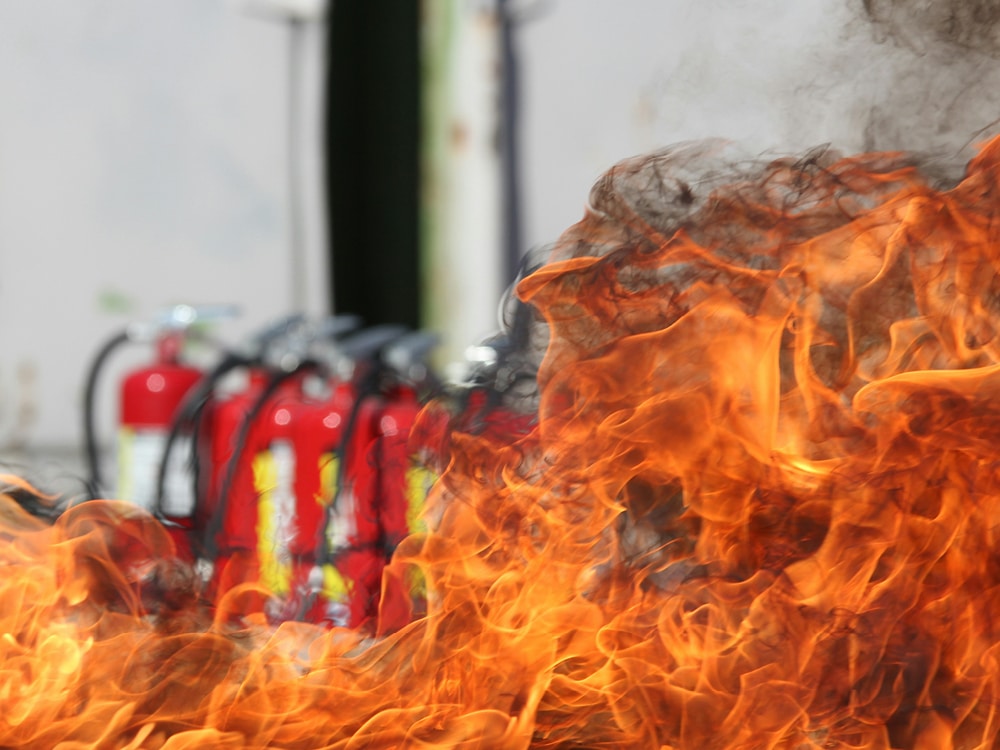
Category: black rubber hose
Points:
column 367, row 347
column 209, row 543
column 323, row 555
column 94, row 479
column 367, row 388
column 188, row 415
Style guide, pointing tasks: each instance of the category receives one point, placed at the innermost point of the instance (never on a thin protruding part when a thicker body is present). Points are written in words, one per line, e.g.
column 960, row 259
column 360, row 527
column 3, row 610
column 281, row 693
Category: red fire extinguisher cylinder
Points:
column 150, row 397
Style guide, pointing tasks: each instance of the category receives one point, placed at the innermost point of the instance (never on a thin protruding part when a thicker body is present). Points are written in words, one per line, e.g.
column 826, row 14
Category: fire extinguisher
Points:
column 149, row 399
column 342, row 586
column 405, row 478
column 291, row 473
column 289, row 468
column 258, row 435
column 224, row 534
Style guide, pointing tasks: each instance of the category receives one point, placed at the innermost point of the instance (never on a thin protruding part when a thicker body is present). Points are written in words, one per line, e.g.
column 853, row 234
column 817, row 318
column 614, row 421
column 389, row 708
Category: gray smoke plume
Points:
column 935, row 78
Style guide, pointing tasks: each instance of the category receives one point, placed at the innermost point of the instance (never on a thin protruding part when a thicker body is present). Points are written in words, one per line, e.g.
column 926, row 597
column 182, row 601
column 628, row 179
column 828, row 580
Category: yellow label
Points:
column 419, row 481
column 328, row 470
column 336, row 588
column 273, row 525
column 416, row 582
column 140, row 454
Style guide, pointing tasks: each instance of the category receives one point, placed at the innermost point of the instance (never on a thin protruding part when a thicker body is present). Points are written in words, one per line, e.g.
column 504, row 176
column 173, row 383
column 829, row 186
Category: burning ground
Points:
column 758, row 508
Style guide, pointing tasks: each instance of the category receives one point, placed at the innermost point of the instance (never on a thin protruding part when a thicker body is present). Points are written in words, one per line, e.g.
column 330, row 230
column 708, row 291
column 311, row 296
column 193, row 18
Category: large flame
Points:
column 758, row 510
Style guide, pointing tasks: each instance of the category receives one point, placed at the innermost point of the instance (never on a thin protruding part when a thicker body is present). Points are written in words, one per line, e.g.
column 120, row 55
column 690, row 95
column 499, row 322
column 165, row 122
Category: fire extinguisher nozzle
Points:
column 315, row 582
column 204, row 570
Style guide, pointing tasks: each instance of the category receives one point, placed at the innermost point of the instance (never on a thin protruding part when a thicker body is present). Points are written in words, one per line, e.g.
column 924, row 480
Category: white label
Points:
column 140, row 451
column 342, row 519
column 283, row 494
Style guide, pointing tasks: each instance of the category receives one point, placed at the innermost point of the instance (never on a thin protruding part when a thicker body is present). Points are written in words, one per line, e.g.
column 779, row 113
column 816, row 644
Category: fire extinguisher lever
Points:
column 368, row 343
column 182, row 317
column 337, row 326
column 177, row 319
column 410, row 351
column 407, row 361
column 278, row 330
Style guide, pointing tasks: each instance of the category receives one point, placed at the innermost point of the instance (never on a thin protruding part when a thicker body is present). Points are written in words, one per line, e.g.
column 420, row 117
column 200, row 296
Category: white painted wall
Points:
column 143, row 162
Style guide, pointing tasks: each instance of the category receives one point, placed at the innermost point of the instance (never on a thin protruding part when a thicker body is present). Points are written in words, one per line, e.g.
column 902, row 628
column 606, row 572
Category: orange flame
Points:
column 759, row 510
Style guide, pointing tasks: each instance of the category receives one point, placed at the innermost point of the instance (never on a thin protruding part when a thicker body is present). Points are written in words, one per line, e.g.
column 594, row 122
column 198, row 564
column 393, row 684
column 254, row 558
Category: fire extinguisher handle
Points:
column 277, row 330
column 336, row 326
column 368, row 343
column 181, row 317
column 409, row 350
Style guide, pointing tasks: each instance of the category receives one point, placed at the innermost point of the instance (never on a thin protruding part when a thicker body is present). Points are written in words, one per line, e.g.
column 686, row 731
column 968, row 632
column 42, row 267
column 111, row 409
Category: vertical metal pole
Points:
column 299, row 290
